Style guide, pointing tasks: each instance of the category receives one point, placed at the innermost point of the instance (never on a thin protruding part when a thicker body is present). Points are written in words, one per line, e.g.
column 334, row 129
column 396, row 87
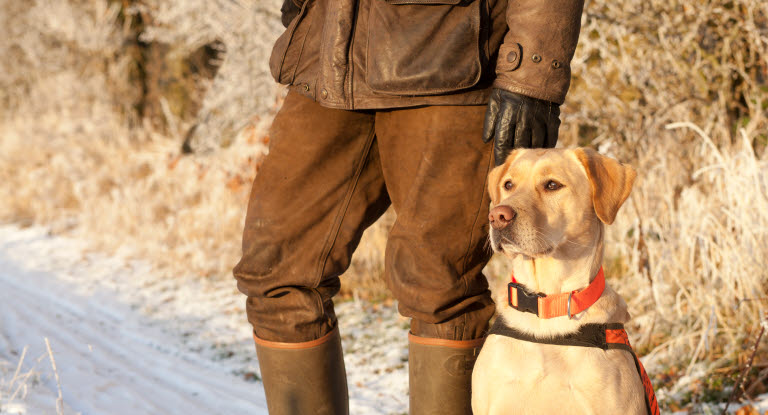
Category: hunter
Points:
column 393, row 103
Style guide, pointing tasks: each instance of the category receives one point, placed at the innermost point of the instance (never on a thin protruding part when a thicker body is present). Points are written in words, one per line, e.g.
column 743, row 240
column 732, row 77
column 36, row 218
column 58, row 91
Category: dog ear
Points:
column 610, row 180
column 494, row 188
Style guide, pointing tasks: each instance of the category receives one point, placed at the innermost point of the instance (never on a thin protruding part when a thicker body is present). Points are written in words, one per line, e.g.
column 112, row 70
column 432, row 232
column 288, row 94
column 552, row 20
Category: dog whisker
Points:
column 568, row 241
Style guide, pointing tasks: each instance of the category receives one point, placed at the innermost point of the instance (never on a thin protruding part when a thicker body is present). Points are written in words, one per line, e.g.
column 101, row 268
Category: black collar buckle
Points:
column 526, row 300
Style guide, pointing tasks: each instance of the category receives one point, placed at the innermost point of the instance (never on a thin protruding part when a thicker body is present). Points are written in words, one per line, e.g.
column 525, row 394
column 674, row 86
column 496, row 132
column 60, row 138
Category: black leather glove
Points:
column 515, row 121
column 289, row 11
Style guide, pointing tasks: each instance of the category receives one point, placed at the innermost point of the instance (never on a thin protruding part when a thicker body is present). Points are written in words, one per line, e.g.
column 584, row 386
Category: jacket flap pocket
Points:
column 425, row 47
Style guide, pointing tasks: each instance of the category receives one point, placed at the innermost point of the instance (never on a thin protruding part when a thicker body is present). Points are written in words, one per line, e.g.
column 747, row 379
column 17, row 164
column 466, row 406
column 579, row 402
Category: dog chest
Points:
column 513, row 376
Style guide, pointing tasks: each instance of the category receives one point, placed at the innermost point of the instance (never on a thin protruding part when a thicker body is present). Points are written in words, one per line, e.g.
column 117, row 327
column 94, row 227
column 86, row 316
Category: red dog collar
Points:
column 556, row 305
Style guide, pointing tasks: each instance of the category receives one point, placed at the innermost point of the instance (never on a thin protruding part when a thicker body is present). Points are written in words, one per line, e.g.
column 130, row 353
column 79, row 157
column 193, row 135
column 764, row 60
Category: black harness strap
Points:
column 589, row 335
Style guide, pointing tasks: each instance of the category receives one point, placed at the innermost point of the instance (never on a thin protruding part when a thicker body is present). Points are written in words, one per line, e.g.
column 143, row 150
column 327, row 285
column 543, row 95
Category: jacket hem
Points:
column 381, row 102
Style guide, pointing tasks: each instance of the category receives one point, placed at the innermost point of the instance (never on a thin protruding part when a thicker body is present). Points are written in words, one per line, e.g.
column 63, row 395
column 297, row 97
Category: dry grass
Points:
column 14, row 384
column 68, row 158
column 677, row 89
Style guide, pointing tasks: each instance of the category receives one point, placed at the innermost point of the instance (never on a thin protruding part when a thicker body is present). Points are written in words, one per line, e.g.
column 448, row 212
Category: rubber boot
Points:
column 304, row 378
column 440, row 375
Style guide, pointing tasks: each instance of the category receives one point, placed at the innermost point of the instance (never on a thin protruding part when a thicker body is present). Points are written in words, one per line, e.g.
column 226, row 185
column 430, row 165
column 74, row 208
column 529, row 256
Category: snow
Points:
column 111, row 359
column 128, row 341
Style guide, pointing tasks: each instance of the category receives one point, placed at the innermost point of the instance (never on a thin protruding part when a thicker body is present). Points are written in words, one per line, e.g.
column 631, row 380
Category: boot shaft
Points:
column 304, row 378
column 440, row 375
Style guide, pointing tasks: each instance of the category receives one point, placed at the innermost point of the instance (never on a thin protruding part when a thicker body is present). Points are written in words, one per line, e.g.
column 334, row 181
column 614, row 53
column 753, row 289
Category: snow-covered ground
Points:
column 126, row 341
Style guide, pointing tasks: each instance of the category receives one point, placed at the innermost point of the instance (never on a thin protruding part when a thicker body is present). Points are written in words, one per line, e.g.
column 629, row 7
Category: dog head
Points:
column 551, row 202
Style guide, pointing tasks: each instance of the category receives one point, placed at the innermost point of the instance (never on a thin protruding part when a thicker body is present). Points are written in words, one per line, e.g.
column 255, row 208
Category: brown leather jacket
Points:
column 372, row 54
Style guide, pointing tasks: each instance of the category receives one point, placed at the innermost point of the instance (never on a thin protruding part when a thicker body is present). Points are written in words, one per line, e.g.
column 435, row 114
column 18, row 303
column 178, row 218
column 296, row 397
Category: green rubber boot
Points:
column 304, row 378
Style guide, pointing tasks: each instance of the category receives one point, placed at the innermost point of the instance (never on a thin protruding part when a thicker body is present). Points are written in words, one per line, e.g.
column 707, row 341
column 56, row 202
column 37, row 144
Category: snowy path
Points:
column 127, row 341
column 109, row 362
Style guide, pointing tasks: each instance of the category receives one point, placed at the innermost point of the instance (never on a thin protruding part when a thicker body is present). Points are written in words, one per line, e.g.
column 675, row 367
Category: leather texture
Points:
column 374, row 54
column 303, row 378
column 328, row 176
column 543, row 35
column 518, row 121
column 401, row 58
column 440, row 376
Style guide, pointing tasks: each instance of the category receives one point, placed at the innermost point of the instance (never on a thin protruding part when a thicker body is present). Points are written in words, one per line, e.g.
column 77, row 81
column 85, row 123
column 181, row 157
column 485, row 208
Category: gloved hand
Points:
column 515, row 121
column 289, row 11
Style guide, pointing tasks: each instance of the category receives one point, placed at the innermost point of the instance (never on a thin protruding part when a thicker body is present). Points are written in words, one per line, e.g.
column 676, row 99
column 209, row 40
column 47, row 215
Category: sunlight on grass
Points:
column 678, row 91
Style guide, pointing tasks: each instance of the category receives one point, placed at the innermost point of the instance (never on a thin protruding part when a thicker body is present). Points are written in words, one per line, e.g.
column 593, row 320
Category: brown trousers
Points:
column 329, row 175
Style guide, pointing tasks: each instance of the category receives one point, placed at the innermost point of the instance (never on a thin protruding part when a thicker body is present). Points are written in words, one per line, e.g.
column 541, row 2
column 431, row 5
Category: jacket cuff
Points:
column 538, row 47
column 533, row 73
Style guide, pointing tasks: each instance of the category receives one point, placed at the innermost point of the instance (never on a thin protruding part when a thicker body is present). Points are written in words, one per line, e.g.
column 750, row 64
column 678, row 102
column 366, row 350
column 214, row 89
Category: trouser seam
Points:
column 464, row 276
column 472, row 231
column 339, row 219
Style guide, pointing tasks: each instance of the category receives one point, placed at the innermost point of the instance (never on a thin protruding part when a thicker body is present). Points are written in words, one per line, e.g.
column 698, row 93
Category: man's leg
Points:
column 435, row 166
column 318, row 188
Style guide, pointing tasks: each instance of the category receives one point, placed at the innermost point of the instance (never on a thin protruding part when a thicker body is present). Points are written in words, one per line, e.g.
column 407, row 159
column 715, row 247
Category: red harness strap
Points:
column 556, row 305
column 617, row 338
column 603, row 336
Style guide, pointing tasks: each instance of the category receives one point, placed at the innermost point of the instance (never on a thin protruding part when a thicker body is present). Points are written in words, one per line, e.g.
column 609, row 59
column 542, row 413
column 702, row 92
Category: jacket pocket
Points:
column 288, row 47
column 423, row 47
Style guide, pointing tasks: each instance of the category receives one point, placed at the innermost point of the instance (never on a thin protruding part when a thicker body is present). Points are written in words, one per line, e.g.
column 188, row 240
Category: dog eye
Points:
column 508, row 185
column 553, row 185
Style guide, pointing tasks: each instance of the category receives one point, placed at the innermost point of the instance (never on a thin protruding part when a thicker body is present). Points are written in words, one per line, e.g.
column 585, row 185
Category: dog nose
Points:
column 501, row 216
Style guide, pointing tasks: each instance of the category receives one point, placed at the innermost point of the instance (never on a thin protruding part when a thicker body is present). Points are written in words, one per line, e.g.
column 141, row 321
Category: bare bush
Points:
column 54, row 61
column 243, row 85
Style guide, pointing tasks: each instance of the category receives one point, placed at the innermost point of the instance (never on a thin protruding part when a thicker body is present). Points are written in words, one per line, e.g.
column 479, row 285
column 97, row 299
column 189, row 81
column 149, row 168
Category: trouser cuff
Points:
column 301, row 345
column 456, row 344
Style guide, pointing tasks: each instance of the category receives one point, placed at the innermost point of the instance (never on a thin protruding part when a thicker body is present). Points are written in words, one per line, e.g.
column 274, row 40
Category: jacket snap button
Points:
column 324, row 93
column 555, row 64
column 536, row 58
column 512, row 56
column 305, row 87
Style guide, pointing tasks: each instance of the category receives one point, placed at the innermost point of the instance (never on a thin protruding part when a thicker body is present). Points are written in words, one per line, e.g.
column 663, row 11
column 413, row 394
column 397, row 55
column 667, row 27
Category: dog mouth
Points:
column 508, row 244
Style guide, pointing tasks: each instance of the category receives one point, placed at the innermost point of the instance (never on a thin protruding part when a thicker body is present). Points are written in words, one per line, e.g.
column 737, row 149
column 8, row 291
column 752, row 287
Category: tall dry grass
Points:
column 677, row 88
column 16, row 380
column 13, row 383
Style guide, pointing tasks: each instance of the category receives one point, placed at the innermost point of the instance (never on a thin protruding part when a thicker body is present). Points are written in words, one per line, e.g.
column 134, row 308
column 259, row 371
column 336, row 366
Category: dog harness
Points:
column 603, row 336
column 556, row 305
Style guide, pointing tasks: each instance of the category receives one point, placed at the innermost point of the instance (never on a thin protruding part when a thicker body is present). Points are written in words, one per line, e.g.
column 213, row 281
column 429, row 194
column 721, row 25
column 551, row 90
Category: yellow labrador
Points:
column 558, row 346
